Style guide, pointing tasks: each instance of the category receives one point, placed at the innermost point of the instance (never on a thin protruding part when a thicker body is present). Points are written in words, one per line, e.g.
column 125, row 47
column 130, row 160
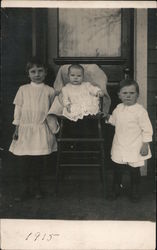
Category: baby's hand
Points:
column 68, row 107
column 144, row 149
column 99, row 93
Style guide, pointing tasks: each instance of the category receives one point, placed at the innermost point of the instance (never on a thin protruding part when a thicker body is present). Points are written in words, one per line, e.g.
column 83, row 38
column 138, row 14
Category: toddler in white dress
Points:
column 79, row 98
column 133, row 132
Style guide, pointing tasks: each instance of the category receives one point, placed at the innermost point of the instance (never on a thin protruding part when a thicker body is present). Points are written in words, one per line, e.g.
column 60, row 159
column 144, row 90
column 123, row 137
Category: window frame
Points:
column 119, row 60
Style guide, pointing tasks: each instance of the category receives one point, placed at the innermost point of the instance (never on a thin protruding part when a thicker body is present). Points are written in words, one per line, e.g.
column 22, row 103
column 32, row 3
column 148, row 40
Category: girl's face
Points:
column 128, row 95
column 37, row 74
column 75, row 76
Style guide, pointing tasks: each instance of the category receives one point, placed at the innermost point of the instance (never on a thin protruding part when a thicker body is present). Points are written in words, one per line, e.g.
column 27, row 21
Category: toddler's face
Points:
column 75, row 76
column 128, row 95
column 37, row 74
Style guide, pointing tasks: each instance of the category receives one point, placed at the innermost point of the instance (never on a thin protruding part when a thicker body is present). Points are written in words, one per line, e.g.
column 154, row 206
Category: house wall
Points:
column 52, row 38
column 140, row 59
column 145, row 71
column 16, row 49
column 152, row 83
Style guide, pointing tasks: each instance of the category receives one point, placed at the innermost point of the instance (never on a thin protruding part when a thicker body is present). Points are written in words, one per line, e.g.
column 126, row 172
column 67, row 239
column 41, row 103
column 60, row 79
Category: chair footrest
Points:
column 80, row 140
column 78, row 165
column 80, row 152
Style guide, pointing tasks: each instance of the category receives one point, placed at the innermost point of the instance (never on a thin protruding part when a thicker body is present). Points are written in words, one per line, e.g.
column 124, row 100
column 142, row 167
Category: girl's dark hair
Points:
column 128, row 82
column 75, row 66
column 35, row 61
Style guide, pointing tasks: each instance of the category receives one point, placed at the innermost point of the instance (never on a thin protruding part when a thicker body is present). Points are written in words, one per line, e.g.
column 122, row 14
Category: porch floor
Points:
column 78, row 200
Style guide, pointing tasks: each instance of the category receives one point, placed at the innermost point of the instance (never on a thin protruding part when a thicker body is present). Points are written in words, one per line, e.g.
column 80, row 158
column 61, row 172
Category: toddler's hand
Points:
column 99, row 93
column 68, row 107
column 144, row 149
column 106, row 116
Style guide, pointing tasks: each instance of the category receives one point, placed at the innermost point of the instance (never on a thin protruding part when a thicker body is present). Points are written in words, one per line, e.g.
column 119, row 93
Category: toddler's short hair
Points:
column 35, row 61
column 75, row 66
column 128, row 82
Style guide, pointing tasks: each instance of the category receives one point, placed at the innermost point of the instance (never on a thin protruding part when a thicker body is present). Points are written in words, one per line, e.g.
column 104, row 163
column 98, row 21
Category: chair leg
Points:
column 58, row 169
column 103, row 177
column 58, row 159
column 102, row 170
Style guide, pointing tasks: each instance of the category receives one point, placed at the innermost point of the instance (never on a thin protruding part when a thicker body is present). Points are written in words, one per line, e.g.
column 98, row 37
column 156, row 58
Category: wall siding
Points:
column 152, row 82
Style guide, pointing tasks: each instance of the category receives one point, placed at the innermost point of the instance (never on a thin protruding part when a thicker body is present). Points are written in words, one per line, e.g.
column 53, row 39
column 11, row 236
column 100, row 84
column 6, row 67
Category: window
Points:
column 89, row 33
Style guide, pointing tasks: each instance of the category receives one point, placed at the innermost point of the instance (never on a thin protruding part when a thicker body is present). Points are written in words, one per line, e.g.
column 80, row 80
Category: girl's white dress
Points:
column 82, row 99
column 36, row 130
column 132, row 128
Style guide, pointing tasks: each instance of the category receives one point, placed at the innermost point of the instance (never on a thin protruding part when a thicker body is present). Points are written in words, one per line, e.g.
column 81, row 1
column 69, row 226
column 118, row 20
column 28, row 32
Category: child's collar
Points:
column 37, row 84
column 131, row 108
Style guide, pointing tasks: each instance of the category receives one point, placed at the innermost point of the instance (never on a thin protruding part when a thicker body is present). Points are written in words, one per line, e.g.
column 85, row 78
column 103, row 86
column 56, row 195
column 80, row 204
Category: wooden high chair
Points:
column 81, row 143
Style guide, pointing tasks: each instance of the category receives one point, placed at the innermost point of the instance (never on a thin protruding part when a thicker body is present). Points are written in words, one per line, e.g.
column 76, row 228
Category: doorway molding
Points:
column 140, row 59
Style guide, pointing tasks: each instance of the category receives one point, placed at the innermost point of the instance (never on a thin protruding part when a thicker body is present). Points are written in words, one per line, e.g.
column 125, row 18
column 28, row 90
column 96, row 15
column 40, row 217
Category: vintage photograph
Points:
column 78, row 114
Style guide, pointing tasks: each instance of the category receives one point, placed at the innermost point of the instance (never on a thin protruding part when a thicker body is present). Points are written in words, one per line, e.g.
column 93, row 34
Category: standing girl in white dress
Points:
column 133, row 132
column 34, row 135
column 79, row 98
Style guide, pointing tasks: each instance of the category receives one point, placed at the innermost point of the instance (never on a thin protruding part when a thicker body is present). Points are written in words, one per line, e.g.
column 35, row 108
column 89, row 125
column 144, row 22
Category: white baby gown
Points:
column 93, row 74
column 82, row 99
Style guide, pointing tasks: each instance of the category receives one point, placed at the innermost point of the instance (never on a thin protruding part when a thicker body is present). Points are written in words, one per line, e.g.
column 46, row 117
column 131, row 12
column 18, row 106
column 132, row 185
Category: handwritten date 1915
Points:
column 40, row 236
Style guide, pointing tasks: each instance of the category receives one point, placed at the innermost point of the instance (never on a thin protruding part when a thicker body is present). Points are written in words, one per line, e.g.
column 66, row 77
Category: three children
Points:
column 35, row 131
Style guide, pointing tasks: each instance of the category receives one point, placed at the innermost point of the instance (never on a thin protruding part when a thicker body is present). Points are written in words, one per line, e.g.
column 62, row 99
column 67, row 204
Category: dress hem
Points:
column 36, row 153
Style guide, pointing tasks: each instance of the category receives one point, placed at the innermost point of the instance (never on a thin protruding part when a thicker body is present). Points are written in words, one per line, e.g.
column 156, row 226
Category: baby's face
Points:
column 37, row 74
column 75, row 76
column 128, row 95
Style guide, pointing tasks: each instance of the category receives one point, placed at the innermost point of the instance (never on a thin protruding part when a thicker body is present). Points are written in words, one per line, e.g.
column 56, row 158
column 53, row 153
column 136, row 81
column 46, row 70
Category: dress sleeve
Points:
column 18, row 101
column 112, row 118
column 17, row 115
column 145, row 126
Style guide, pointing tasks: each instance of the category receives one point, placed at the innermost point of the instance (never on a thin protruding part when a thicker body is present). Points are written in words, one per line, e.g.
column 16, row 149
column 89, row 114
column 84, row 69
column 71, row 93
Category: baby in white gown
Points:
column 79, row 98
